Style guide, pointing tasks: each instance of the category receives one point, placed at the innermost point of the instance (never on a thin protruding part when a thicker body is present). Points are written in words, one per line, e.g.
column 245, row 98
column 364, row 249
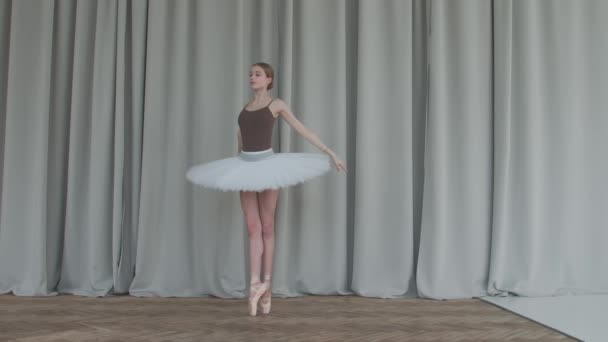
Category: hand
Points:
column 339, row 164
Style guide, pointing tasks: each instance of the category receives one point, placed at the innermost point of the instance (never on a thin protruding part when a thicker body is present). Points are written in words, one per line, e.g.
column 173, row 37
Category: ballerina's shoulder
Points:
column 278, row 106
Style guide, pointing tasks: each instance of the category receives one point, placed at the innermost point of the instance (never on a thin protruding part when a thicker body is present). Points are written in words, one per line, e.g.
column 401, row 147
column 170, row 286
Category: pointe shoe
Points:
column 265, row 304
column 256, row 290
column 265, row 301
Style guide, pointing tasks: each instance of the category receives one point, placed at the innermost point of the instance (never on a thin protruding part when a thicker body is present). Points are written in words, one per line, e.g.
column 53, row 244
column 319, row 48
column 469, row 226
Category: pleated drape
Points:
column 473, row 132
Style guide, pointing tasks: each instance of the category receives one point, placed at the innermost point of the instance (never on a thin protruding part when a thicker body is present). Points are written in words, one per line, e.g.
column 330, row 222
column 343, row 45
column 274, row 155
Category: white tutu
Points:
column 258, row 171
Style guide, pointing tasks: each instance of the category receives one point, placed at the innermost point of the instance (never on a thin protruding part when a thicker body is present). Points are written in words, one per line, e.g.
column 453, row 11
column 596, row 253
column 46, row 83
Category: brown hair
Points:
column 268, row 71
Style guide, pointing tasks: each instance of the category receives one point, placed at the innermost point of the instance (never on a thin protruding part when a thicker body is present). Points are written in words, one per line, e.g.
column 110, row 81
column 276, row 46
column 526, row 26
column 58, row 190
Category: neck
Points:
column 261, row 95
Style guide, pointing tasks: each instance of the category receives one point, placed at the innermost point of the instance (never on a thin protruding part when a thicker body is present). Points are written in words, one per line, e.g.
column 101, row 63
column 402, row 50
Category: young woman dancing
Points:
column 258, row 173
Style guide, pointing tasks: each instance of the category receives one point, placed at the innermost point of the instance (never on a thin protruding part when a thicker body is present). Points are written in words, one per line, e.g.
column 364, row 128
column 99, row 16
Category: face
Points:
column 257, row 78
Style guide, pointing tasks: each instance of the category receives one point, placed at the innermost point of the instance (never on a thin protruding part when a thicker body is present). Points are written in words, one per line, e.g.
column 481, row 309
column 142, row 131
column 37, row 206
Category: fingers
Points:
column 340, row 167
column 339, row 164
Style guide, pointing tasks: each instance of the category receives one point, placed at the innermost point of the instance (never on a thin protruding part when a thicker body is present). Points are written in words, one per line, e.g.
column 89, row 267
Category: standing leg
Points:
column 267, row 204
column 249, row 204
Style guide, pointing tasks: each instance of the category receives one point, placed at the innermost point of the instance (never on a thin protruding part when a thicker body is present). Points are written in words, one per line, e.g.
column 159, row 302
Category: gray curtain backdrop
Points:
column 474, row 133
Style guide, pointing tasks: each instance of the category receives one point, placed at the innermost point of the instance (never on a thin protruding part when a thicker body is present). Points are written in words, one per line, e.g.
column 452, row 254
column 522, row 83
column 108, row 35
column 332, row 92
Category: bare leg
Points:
column 249, row 204
column 267, row 203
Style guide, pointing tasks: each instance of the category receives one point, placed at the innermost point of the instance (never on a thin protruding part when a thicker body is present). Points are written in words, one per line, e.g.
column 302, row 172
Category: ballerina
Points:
column 258, row 173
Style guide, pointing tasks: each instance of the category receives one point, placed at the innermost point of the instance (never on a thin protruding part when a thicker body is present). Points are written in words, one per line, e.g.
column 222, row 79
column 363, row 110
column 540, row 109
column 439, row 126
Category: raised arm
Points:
column 286, row 113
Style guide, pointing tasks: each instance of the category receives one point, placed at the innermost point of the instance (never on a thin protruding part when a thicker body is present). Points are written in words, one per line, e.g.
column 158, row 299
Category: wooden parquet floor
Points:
column 309, row 318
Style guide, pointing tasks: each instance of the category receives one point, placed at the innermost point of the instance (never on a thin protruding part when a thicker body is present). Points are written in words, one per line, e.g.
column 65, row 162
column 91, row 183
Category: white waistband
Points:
column 256, row 155
column 257, row 152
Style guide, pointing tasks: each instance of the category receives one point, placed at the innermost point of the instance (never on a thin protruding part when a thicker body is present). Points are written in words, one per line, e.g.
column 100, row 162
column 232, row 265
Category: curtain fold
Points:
column 129, row 104
column 457, row 203
column 87, row 266
column 5, row 25
column 28, row 227
column 383, row 262
column 473, row 132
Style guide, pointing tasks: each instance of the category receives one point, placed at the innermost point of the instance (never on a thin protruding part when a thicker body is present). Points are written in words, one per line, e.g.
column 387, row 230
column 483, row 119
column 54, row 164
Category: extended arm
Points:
column 291, row 119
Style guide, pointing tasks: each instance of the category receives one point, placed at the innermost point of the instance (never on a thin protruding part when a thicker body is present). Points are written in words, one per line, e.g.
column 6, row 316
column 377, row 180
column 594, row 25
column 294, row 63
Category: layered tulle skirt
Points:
column 258, row 171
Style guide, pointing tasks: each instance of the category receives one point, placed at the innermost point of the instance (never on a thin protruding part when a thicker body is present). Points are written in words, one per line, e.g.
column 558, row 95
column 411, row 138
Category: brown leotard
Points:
column 256, row 128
